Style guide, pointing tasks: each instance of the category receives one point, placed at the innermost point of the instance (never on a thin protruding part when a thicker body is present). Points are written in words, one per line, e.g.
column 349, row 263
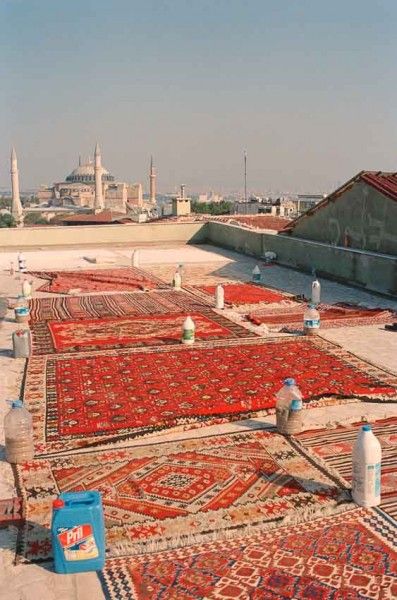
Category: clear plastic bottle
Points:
column 219, row 297
column 311, row 320
column 284, row 398
column 18, row 433
column 256, row 274
column 188, row 331
column 367, row 458
column 316, row 292
column 21, row 310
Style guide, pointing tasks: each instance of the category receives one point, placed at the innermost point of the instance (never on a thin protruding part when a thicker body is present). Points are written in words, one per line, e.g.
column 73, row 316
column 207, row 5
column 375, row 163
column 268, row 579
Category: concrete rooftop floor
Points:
column 203, row 264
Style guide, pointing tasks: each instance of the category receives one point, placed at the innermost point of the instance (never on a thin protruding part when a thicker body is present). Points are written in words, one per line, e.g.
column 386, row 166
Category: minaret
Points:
column 152, row 178
column 99, row 203
column 16, row 206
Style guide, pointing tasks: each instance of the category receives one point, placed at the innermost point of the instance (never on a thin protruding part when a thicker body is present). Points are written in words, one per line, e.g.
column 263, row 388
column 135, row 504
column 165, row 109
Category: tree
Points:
column 7, row 221
column 212, row 208
column 35, row 219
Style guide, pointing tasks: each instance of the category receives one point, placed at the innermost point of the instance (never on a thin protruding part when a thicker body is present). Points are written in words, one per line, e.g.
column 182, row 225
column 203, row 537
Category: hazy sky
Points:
column 307, row 87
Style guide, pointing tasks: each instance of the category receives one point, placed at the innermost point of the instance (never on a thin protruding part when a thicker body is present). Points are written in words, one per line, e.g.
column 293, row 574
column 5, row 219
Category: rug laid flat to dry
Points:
column 351, row 556
column 138, row 391
column 174, row 494
column 146, row 330
column 97, row 280
column 334, row 447
column 113, row 305
column 246, row 293
column 291, row 318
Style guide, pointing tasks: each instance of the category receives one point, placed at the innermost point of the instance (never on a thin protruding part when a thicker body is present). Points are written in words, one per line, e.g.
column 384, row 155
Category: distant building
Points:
column 181, row 204
column 303, row 202
column 361, row 214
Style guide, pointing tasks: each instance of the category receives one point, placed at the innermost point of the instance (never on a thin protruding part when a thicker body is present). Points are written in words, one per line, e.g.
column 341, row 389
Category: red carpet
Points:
column 147, row 330
column 135, row 392
column 291, row 318
column 97, row 280
column 350, row 556
column 246, row 293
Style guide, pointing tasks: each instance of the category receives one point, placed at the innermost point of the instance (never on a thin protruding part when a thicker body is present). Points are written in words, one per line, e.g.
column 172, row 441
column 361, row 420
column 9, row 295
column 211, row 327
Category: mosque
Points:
column 91, row 186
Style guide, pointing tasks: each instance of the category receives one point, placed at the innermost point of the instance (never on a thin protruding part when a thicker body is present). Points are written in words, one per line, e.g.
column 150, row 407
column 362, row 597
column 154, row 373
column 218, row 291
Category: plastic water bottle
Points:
column 18, row 433
column 22, row 263
column 284, row 399
column 135, row 258
column 21, row 310
column 311, row 320
column 367, row 457
column 22, row 343
column 177, row 281
column 26, row 289
column 219, row 297
column 256, row 274
column 316, row 292
column 188, row 331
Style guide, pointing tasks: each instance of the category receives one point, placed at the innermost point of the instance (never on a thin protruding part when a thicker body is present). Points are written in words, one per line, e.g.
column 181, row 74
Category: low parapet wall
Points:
column 96, row 235
column 375, row 272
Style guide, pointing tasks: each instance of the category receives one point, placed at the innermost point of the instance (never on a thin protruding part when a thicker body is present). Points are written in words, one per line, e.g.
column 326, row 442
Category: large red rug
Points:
column 334, row 448
column 135, row 392
column 147, row 330
column 113, row 305
column 290, row 319
column 97, row 280
column 347, row 557
column 246, row 293
column 160, row 496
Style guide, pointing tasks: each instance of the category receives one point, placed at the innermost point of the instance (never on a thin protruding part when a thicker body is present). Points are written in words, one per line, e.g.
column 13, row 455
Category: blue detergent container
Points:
column 78, row 532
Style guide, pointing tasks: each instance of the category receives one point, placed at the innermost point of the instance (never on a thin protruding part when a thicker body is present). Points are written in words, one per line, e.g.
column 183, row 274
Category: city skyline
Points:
column 307, row 90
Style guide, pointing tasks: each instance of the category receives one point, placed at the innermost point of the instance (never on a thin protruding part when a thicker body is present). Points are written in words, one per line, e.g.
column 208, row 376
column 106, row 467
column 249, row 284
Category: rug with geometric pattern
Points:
column 168, row 495
column 351, row 556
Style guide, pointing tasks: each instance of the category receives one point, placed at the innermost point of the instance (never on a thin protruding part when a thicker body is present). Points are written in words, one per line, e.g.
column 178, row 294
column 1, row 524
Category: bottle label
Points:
column 188, row 334
column 311, row 323
column 256, row 277
column 373, row 479
column 22, row 311
column 78, row 543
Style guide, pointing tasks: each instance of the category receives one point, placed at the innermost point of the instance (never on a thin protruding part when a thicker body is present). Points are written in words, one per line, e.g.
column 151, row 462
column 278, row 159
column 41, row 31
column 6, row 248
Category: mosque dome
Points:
column 85, row 173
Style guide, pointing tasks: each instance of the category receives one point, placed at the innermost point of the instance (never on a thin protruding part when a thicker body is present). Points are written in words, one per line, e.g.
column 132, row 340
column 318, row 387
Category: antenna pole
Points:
column 245, row 176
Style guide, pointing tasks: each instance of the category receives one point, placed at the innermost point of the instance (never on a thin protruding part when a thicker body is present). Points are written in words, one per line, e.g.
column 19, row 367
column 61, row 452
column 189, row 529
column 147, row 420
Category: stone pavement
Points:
column 202, row 263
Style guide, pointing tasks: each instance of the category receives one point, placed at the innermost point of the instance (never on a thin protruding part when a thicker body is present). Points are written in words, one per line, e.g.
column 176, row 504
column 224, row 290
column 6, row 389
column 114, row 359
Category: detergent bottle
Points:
column 316, row 292
column 177, row 281
column 26, row 289
column 188, row 331
column 78, row 532
column 219, row 297
column 367, row 457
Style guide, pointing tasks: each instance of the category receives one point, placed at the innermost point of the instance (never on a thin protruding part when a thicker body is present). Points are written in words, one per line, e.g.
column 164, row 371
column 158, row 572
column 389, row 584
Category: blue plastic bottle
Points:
column 78, row 532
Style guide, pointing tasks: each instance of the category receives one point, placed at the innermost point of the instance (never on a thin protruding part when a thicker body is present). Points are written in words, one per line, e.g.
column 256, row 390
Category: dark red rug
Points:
column 147, row 330
column 135, row 392
column 246, row 293
column 97, row 280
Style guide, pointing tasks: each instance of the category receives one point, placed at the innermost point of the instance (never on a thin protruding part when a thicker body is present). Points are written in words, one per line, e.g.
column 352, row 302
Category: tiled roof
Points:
column 384, row 182
column 106, row 216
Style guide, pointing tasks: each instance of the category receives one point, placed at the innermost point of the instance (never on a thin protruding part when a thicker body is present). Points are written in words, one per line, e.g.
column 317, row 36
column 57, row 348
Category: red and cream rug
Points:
column 117, row 332
column 246, row 293
column 168, row 495
column 86, row 399
column 351, row 556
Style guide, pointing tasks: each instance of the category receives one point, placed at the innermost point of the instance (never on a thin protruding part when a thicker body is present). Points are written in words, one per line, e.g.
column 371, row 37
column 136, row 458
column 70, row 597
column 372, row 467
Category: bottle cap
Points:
column 17, row 404
column 366, row 428
column 289, row 381
column 58, row 503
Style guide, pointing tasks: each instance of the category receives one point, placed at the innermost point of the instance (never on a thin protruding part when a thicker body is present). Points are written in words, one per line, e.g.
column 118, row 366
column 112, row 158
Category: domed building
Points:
column 91, row 186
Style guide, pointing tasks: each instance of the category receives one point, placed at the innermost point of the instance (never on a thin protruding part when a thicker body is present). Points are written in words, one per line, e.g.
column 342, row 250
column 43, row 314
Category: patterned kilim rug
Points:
column 246, row 293
column 127, row 393
column 169, row 495
column 113, row 305
column 97, row 280
column 290, row 319
column 147, row 330
column 351, row 556
column 334, row 448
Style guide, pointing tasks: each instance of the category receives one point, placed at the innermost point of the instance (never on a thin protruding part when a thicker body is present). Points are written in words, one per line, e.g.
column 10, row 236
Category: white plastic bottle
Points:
column 188, row 331
column 316, row 292
column 26, row 289
column 22, row 263
column 256, row 274
column 135, row 258
column 284, row 398
column 311, row 320
column 367, row 458
column 18, row 433
column 177, row 281
column 219, row 297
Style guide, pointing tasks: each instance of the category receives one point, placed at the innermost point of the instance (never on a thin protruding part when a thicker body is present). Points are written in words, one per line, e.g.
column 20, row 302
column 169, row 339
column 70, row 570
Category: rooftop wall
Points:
column 96, row 235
